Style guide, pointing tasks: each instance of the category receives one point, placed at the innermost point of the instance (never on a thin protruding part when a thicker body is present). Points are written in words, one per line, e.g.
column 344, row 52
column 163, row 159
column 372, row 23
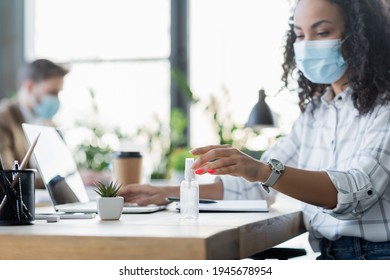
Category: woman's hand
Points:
column 224, row 159
column 144, row 194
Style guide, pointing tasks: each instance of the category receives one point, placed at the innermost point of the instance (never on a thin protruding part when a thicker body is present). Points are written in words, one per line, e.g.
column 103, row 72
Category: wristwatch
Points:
column 277, row 169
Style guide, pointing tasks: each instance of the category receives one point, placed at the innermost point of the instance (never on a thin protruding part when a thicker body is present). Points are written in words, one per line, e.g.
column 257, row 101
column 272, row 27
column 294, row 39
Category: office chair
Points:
column 279, row 253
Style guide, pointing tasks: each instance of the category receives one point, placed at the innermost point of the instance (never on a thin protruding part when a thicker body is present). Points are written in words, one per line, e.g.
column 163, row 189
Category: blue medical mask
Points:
column 320, row 61
column 47, row 108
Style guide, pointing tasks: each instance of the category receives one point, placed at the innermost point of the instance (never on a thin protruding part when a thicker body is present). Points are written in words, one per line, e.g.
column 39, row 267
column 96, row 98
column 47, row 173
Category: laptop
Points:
column 61, row 177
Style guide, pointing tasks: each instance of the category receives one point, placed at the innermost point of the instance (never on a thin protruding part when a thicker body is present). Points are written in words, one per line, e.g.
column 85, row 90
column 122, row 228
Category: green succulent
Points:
column 107, row 190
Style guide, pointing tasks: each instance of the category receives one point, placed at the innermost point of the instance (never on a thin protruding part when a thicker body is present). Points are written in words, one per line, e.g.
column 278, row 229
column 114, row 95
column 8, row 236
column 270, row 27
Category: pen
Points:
column 200, row 200
column 15, row 167
column 19, row 200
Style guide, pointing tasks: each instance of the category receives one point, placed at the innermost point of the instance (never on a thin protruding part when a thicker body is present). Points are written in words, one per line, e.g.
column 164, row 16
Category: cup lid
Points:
column 126, row 154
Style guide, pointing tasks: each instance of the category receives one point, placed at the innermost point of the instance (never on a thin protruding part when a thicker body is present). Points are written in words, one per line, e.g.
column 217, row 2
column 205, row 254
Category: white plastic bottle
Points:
column 189, row 193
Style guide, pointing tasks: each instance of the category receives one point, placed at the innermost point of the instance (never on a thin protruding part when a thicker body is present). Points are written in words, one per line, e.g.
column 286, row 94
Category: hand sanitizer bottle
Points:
column 189, row 193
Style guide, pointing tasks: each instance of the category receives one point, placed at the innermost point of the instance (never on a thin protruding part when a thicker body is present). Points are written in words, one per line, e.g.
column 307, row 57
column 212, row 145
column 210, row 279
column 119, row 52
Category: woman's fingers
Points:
column 217, row 161
column 211, row 154
column 205, row 149
column 217, row 167
column 223, row 160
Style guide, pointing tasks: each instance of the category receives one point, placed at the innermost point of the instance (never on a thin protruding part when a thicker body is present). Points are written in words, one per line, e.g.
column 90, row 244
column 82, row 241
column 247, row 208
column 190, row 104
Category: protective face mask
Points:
column 47, row 108
column 320, row 61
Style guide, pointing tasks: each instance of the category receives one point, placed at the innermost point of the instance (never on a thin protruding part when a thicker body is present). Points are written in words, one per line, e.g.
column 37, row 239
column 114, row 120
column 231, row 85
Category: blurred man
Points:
column 36, row 102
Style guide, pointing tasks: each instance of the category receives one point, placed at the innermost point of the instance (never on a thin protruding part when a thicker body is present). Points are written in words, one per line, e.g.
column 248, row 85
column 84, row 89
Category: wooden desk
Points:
column 160, row 235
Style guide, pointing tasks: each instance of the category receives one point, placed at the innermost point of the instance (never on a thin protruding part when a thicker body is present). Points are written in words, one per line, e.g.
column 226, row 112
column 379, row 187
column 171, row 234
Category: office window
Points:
column 119, row 50
column 236, row 46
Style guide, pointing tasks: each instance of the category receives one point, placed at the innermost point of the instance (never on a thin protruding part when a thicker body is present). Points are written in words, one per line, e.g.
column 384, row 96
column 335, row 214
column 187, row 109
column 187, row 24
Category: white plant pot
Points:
column 110, row 208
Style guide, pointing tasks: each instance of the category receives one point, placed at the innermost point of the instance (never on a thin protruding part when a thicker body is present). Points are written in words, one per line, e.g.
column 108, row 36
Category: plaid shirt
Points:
column 354, row 150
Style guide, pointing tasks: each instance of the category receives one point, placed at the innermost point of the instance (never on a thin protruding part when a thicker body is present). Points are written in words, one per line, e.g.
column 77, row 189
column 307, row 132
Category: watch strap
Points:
column 277, row 169
column 270, row 181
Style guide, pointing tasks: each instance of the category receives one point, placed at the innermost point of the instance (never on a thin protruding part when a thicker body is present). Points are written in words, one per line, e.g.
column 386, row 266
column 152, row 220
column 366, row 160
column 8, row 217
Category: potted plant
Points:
column 109, row 204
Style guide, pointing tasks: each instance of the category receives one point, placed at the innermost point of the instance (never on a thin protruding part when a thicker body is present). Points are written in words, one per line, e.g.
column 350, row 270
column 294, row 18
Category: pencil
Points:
column 25, row 160
column 27, row 157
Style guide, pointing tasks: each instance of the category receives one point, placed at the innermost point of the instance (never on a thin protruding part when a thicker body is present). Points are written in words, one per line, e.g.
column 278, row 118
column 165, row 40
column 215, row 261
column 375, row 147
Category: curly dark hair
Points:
column 366, row 40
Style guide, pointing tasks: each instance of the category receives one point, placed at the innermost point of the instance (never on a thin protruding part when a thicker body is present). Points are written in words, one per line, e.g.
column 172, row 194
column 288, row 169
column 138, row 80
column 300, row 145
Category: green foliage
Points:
column 177, row 158
column 183, row 85
column 157, row 139
column 168, row 143
column 94, row 153
column 107, row 190
column 163, row 139
column 94, row 157
column 222, row 119
column 177, row 129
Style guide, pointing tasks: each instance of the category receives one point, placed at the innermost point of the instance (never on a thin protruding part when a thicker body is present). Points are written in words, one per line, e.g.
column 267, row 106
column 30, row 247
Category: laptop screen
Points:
column 56, row 165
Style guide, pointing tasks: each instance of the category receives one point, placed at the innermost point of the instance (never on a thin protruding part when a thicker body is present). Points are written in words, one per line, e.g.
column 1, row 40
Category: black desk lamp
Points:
column 261, row 115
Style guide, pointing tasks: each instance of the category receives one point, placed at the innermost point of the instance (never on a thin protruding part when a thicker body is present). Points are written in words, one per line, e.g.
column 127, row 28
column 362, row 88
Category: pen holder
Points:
column 17, row 197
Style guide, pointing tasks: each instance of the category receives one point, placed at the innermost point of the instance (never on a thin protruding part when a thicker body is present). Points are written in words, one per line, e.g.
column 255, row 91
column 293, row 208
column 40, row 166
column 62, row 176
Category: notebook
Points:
column 61, row 177
column 233, row 206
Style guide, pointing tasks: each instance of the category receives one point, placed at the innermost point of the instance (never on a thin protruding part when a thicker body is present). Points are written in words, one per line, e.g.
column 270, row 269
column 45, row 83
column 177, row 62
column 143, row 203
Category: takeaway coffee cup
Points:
column 17, row 197
column 127, row 167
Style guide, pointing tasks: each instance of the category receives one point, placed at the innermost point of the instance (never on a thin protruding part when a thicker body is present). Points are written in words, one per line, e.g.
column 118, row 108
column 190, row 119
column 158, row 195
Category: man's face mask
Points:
column 320, row 61
column 47, row 108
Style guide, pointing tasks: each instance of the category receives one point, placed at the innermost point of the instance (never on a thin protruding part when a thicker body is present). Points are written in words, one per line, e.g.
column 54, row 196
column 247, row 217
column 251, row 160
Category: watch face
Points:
column 277, row 165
